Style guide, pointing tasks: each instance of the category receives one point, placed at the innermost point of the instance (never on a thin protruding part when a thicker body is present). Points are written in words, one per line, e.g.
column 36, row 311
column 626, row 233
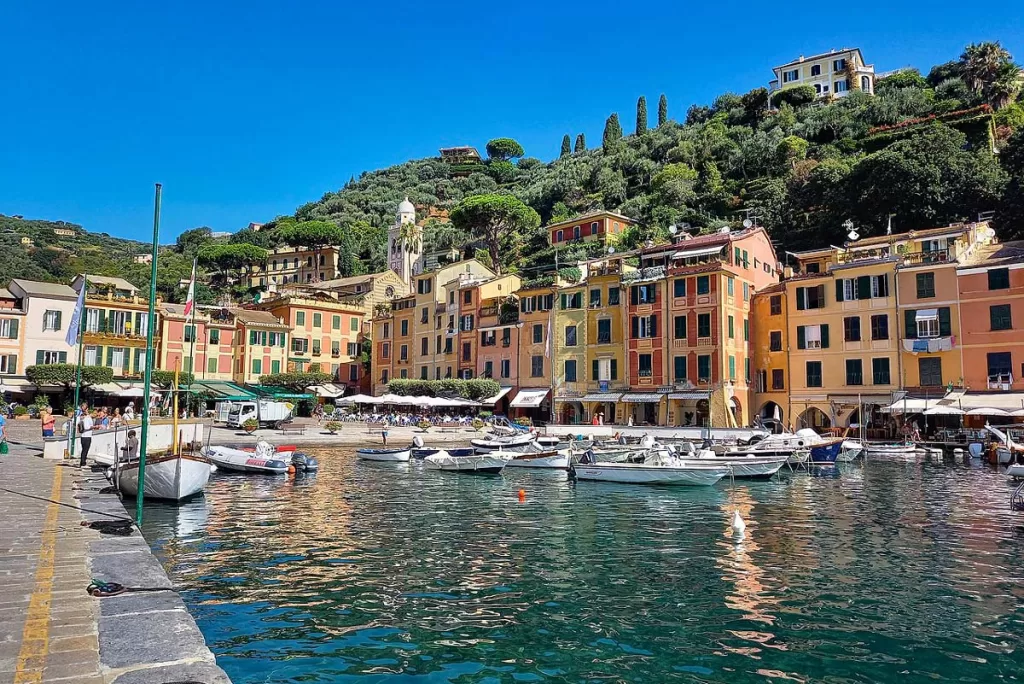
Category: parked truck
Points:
column 268, row 413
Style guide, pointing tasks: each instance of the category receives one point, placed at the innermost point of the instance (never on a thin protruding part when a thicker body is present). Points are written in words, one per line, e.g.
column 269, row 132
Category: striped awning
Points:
column 602, row 396
column 642, row 397
column 690, row 396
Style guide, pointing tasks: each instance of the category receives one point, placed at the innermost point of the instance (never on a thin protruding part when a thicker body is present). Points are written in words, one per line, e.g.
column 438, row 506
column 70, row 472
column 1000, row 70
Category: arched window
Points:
column 865, row 84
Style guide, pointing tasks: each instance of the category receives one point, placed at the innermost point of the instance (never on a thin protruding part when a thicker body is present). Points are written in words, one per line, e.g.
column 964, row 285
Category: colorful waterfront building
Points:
column 646, row 347
column 47, row 309
column 498, row 353
column 12, row 339
column 605, row 344
column 990, row 288
column 570, row 365
column 286, row 265
column 261, row 345
column 116, row 325
column 532, row 398
column 403, row 310
column 365, row 291
column 599, row 226
column 769, row 350
column 204, row 341
column 326, row 335
column 382, row 342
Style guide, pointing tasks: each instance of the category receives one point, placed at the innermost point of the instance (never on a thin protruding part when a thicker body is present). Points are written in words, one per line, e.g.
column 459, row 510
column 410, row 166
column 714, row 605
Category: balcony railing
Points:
column 704, row 342
column 604, row 338
column 938, row 256
column 1000, row 381
column 644, row 373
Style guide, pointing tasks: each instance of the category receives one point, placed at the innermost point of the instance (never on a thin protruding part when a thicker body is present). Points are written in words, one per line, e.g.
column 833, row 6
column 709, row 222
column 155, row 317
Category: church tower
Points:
column 405, row 262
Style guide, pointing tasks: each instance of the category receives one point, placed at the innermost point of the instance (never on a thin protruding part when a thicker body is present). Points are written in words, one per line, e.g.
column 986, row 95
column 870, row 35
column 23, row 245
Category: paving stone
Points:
column 192, row 672
column 169, row 636
column 140, row 602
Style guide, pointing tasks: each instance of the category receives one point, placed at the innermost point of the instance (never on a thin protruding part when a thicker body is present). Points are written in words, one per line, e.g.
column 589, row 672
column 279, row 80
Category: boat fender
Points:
column 522, row 495
column 417, row 441
column 738, row 526
column 291, row 470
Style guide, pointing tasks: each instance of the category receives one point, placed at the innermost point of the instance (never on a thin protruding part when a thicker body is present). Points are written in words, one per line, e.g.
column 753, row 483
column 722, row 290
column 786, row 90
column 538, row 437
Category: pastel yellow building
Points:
column 836, row 73
column 570, row 366
column 605, row 340
column 769, row 349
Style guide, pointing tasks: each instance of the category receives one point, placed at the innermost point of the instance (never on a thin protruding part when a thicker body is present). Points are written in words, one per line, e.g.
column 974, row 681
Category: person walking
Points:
column 85, row 425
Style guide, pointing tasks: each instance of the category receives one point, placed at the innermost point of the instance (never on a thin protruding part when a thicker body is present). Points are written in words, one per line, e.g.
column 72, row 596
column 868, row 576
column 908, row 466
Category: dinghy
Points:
column 517, row 442
column 467, row 461
column 540, row 459
column 387, row 455
column 904, row 449
column 171, row 477
column 263, row 460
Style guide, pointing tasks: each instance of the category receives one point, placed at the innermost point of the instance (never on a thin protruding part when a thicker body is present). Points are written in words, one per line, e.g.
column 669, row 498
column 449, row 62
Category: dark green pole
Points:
column 78, row 370
column 148, row 378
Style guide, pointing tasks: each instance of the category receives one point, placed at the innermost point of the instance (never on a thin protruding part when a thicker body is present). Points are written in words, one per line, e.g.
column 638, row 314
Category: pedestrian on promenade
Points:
column 47, row 421
column 3, row 434
column 384, row 434
column 85, row 425
column 129, row 412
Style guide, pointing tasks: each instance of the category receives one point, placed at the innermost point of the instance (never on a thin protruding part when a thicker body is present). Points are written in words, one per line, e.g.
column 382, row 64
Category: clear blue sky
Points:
column 247, row 110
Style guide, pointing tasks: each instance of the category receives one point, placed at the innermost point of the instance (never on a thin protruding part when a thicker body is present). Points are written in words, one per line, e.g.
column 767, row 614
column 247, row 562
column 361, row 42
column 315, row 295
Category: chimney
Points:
column 787, row 273
column 801, row 58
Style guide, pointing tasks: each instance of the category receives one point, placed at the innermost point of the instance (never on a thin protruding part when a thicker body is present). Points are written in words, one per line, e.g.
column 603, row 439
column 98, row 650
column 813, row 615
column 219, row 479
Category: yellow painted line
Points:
column 35, row 638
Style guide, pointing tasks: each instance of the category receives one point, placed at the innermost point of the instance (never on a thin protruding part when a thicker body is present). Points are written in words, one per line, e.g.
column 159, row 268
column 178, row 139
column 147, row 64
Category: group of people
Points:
column 88, row 420
column 402, row 419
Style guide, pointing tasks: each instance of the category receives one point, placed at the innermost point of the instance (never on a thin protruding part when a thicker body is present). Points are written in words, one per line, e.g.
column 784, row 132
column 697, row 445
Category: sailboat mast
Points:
column 148, row 376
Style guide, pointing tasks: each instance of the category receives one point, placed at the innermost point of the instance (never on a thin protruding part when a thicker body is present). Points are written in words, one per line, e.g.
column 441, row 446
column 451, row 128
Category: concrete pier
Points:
column 51, row 629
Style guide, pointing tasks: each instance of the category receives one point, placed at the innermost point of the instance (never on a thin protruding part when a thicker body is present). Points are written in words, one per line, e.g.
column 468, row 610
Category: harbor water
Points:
column 885, row 571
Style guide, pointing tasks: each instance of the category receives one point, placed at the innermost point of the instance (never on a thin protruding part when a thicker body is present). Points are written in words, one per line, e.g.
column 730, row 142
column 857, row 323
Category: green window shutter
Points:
column 110, row 356
column 746, row 330
column 594, row 369
column 801, row 337
column 800, row 299
column 14, row 329
column 910, row 321
column 252, row 337
column 211, row 365
column 138, row 323
column 62, row 357
column 136, row 361
column 864, row 287
column 945, row 326
column 839, row 290
column 12, row 363
column 317, row 320
column 654, row 325
column 824, row 336
column 103, row 320
column 39, row 357
column 562, row 301
column 275, row 366
column 615, row 369
column 58, row 320
column 99, row 355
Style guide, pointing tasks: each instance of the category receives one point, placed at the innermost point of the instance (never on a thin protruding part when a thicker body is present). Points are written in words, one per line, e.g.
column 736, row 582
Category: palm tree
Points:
column 410, row 237
column 988, row 70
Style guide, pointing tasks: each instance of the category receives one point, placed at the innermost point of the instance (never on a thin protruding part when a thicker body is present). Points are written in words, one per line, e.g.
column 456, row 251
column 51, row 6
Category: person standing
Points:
column 47, row 422
column 85, row 424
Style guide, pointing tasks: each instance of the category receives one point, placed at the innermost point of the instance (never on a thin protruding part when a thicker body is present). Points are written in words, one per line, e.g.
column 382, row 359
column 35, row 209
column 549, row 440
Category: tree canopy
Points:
column 66, row 375
column 298, row 381
column 504, row 149
column 501, row 222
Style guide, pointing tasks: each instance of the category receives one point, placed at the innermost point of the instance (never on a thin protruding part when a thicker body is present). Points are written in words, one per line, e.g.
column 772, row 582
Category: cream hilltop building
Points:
column 832, row 74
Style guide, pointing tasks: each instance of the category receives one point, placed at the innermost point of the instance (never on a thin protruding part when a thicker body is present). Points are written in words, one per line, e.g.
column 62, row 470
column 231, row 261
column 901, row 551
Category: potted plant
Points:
column 424, row 425
column 250, row 425
column 333, row 426
column 478, row 424
column 20, row 412
column 525, row 421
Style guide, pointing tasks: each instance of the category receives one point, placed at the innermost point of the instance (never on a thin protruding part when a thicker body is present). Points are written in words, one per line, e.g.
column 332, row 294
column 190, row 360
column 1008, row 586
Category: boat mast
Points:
column 148, row 376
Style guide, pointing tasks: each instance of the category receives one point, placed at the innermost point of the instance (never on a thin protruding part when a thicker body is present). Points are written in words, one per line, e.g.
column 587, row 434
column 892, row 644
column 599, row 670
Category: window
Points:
column 424, row 315
column 703, row 325
column 816, row 70
column 814, row 373
column 335, row 348
column 527, row 304
column 448, row 345
column 679, row 368
column 570, row 370
column 316, row 347
column 405, row 328
column 423, row 346
column 604, row 331
column 576, row 232
column 703, row 368
column 679, row 288
column 384, row 376
column 790, row 76
column 841, row 86
column 506, row 337
column 385, row 350
column 730, row 286
column 775, row 305
column 732, row 328
column 211, row 365
column 190, row 333
column 812, row 336
column 257, row 366
column 593, row 228
column 930, row 370
column 595, row 298
column 643, row 294
column 998, row 279
column 644, row 327
column 851, row 329
column 300, row 345
column 466, row 323
column 467, row 351
column 680, row 327
column 880, row 371
column 703, row 285
column 300, row 318
column 572, row 301
column 762, row 381
column 570, row 336
column 423, row 373
column 746, row 260
column 775, row 341
column 538, row 333
column 999, row 316
column 746, row 292
column 387, row 331
column 613, row 296
column 92, row 320
column 488, row 338
column 927, row 323
column 536, row 366
column 746, row 330
column 403, row 353
column 732, row 367
column 813, row 267
column 999, row 367
column 778, row 379
column 645, row 369
column 424, row 286
column 506, row 368
column 810, row 297
column 880, row 327
column 352, row 349
column 467, row 297
column 838, row 64
column 51, row 320
column 925, row 285
column 488, row 369
column 318, row 320
column 214, row 336
column 91, row 356
column 854, row 372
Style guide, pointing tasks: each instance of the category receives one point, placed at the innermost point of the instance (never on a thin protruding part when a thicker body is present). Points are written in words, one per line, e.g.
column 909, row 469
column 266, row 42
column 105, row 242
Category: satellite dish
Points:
column 611, row 249
column 853, row 235
column 747, row 223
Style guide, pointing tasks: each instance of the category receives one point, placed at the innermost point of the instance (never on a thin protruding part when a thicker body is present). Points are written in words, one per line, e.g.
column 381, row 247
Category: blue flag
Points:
column 76, row 318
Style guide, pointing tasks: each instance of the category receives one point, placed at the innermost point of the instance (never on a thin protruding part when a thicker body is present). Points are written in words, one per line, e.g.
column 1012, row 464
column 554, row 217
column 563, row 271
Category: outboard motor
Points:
column 304, row 463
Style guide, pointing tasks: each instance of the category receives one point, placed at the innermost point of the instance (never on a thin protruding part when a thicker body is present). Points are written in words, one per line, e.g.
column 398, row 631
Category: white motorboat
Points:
column 1015, row 471
column 540, row 459
column 904, row 449
column 782, row 444
column 516, row 442
column 387, row 455
column 656, row 469
column 745, row 467
column 1008, row 448
column 263, row 460
column 850, row 451
column 172, row 477
column 467, row 461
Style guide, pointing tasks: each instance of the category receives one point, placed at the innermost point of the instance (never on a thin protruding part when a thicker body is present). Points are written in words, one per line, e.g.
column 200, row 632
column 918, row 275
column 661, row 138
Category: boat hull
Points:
column 169, row 478
column 637, row 473
column 905, row 450
column 751, row 468
column 481, row 464
column 555, row 460
column 384, row 455
column 240, row 461
column 825, row 454
column 515, row 442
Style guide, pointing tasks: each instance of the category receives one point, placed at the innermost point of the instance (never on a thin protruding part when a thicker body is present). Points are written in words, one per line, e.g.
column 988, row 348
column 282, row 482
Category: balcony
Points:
column 705, row 342
column 938, row 256
column 604, row 338
column 486, row 311
column 1000, row 381
column 644, row 373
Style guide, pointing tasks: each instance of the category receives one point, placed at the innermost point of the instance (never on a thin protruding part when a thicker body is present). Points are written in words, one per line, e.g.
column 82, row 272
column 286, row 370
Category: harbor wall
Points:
column 107, row 442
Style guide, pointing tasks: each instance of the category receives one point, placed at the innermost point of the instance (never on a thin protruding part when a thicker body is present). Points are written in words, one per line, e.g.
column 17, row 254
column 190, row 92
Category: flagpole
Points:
column 78, row 365
column 192, row 344
column 148, row 377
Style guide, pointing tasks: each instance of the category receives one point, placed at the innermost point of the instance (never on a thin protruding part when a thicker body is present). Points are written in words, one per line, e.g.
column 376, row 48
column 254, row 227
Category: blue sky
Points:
column 246, row 110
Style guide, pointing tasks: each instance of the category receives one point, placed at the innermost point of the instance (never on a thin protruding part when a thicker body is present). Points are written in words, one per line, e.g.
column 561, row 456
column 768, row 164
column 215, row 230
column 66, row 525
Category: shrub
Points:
column 333, row 426
column 478, row 424
column 525, row 421
column 20, row 411
column 797, row 96
column 250, row 425
column 571, row 274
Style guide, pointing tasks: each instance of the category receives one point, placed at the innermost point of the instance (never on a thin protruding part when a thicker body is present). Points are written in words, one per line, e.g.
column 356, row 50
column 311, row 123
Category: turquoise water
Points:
column 883, row 572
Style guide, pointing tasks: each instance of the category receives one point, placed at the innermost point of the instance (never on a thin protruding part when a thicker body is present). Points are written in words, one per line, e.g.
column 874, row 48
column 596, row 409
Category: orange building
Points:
column 603, row 226
column 209, row 339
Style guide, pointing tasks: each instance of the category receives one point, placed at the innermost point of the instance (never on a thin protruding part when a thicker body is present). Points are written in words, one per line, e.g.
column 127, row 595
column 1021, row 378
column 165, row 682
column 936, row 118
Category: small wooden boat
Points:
column 239, row 461
column 171, row 477
column 388, row 455
column 467, row 461
column 540, row 459
column 892, row 449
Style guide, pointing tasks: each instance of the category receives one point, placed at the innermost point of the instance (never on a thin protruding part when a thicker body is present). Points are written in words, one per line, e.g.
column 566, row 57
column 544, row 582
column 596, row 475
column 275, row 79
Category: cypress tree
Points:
column 612, row 131
column 565, row 147
column 662, row 110
column 641, row 115
column 581, row 143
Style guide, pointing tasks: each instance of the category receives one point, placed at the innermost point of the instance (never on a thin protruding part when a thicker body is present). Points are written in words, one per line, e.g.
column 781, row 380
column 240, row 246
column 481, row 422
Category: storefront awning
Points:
column 1008, row 401
column 602, row 396
column 866, row 399
column 108, row 388
column 529, row 398
column 690, row 396
column 276, row 393
column 328, row 390
column 222, row 391
column 703, row 251
column 491, row 401
column 642, row 397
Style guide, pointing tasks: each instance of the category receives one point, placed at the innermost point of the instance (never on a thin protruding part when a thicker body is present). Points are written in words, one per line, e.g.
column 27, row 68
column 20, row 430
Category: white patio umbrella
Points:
column 986, row 411
column 132, row 392
column 943, row 411
column 1018, row 412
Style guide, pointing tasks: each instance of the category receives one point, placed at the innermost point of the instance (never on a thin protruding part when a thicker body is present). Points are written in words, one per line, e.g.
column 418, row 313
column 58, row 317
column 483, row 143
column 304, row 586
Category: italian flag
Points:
column 190, row 300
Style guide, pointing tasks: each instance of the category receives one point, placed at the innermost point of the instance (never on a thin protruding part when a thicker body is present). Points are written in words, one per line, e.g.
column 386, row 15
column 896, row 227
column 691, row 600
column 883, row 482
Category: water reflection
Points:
column 883, row 572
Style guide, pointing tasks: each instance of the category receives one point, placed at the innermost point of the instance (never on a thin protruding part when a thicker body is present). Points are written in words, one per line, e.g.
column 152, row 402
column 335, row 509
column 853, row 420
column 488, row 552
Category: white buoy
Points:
column 958, row 452
column 738, row 526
